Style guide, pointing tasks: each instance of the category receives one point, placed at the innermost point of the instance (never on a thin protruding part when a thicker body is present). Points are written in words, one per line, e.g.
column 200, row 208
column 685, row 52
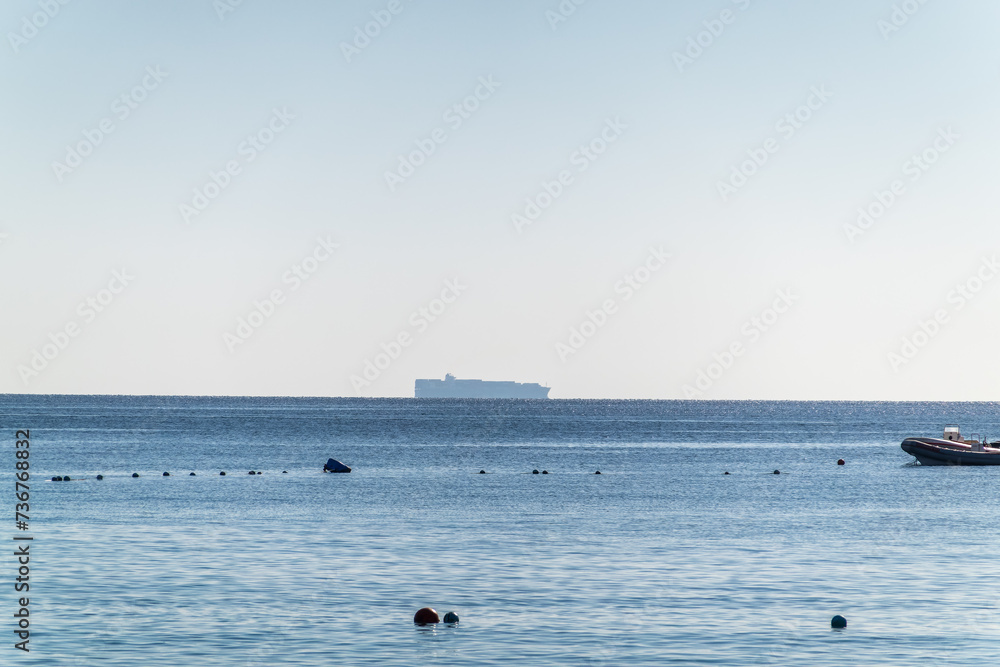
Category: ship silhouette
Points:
column 450, row 387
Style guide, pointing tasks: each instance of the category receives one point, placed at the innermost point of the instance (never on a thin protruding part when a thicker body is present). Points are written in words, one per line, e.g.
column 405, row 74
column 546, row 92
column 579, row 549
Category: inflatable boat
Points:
column 952, row 450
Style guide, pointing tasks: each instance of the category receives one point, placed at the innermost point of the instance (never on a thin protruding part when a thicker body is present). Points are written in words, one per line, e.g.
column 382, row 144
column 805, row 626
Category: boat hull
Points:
column 934, row 452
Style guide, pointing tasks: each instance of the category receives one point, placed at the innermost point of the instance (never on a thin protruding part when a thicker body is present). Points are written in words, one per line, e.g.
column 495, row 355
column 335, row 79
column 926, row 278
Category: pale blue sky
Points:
column 679, row 134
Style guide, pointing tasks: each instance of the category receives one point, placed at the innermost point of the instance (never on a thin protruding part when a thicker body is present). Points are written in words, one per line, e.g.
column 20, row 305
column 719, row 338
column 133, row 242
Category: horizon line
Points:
column 412, row 398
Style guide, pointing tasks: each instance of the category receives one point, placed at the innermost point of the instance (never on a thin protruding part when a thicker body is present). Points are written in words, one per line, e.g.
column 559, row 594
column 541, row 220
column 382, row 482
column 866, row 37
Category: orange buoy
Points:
column 425, row 616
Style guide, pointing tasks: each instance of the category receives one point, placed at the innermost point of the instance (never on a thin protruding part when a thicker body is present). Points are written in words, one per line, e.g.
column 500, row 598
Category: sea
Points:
column 662, row 559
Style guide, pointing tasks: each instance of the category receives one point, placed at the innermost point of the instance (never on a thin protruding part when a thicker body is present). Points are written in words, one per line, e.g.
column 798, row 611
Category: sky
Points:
column 725, row 199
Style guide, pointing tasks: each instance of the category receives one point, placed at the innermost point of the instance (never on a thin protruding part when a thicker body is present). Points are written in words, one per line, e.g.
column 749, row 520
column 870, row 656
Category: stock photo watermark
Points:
column 455, row 116
column 263, row 310
column 914, row 168
column 31, row 24
column 420, row 320
column 928, row 329
column 363, row 35
column 122, row 107
column 787, row 127
column 22, row 552
column 595, row 320
column 41, row 357
column 562, row 12
column 714, row 28
column 900, row 16
column 223, row 7
column 585, row 155
column 248, row 150
column 751, row 332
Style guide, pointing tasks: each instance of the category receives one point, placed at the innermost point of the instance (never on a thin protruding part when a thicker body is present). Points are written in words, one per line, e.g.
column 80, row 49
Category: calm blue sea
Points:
column 662, row 559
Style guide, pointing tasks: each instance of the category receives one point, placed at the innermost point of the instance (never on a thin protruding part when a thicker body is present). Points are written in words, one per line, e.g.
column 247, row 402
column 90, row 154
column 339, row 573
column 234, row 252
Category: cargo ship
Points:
column 450, row 387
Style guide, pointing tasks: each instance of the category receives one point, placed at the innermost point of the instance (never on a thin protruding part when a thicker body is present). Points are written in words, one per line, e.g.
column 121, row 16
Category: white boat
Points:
column 952, row 450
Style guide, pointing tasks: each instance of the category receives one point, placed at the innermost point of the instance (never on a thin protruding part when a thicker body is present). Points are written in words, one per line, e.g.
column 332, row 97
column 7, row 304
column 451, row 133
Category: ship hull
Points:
column 934, row 452
column 451, row 388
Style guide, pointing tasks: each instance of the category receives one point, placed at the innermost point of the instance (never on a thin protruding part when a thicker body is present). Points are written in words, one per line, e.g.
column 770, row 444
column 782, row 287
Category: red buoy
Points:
column 840, row 462
column 426, row 615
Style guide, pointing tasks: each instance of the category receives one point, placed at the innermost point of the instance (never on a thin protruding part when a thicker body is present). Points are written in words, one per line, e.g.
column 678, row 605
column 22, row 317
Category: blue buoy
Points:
column 838, row 621
column 223, row 473
column 166, row 474
column 100, row 477
column 57, row 479
column 451, row 617
column 598, row 472
column 333, row 465
column 777, row 472
column 191, row 474
column 534, row 472
column 545, row 472
column 135, row 474
column 482, row 472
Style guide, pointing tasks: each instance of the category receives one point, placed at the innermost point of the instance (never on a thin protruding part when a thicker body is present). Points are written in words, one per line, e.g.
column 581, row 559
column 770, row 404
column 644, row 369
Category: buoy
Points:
column 426, row 615
column 451, row 617
column 166, row 474
column 598, row 472
column 191, row 474
column 534, row 472
column 726, row 473
column 482, row 472
column 333, row 465
column 223, row 473
column 777, row 472
column 284, row 472
column 100, row 477
column 251, row 473
column 545, row 472
column 840, row 462
column 135, row 474
column 838, row 621
column 57, row 479
column 66, row 478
